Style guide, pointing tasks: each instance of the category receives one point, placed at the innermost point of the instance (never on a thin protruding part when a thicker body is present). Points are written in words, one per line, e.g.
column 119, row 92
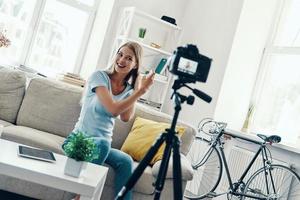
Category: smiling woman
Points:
column 128, row 58
column 110, row 94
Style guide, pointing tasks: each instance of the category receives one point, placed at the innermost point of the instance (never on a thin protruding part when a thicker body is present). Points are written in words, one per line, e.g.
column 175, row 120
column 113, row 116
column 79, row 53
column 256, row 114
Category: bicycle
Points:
column 270, row 182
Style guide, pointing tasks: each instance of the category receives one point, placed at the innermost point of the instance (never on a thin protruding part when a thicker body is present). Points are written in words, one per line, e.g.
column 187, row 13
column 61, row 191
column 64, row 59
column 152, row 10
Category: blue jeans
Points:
column 121, row 162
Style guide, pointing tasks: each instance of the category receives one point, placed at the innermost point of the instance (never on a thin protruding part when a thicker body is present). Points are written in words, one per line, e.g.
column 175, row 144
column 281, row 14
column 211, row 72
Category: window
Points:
column 15, row 18
column 277, row 94
column 47, row 35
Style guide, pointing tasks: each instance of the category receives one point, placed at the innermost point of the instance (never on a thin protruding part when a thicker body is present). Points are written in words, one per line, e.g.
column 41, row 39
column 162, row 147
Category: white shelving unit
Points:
column 158, row 32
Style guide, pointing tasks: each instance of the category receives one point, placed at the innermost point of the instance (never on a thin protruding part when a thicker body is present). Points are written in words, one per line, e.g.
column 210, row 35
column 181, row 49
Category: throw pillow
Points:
column 143, row 134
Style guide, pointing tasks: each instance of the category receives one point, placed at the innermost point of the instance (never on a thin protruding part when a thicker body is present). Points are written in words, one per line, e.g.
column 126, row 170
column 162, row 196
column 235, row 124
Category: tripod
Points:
column 172, row 143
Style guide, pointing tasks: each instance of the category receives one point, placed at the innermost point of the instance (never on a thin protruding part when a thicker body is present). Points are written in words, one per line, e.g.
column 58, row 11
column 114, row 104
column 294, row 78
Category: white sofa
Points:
column 45, row 112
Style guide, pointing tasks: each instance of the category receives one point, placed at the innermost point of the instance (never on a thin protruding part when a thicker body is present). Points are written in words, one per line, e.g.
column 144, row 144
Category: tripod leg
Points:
column 141, row 167
column 177, row 182
column 160, row 180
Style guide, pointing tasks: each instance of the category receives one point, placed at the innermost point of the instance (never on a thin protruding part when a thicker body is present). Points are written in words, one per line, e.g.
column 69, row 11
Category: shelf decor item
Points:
column 79, row 148
column 154, row 45
column 71, row 78
column 248, row 120
column 169, row 19
column 142, row 33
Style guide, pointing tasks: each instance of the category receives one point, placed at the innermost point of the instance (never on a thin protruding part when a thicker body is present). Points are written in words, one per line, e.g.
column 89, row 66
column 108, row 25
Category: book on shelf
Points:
column 73, row 79
column 160, row 77
column 150, row 103
column 72, row 75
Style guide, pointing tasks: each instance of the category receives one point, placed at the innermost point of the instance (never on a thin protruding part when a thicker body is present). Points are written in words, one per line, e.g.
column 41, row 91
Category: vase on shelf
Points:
column 142, row 33
column 248, row 120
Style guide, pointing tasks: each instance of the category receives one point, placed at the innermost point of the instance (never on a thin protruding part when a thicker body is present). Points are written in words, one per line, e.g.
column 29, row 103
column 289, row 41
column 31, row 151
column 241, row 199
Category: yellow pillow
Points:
column 143, row 134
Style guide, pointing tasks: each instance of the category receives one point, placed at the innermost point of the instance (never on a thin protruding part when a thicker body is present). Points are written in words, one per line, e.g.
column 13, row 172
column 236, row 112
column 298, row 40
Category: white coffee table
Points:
column 89, row 185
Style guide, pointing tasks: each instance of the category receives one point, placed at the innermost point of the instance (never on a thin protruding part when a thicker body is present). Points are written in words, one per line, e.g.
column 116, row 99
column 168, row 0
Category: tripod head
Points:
column 181, row 82
column 180, row 99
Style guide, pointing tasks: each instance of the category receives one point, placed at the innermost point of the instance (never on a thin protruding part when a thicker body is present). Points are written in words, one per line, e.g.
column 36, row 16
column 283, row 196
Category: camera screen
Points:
column 187, row 66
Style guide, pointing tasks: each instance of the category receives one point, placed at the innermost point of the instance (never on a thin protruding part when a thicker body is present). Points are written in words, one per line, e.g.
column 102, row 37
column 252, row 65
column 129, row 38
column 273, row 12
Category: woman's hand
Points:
column 143, row 82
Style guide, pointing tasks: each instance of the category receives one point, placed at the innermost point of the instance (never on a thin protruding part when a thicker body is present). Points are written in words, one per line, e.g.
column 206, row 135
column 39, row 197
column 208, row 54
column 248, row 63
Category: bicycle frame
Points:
column 217, row 142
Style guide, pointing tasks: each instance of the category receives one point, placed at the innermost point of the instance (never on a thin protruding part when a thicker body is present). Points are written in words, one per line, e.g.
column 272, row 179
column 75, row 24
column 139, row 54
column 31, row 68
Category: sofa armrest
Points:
column 186, row 168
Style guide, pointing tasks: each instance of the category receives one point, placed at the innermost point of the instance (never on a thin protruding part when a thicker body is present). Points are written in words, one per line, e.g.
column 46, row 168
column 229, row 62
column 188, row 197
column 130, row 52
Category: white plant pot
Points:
column 1, row 129
column 73, row 167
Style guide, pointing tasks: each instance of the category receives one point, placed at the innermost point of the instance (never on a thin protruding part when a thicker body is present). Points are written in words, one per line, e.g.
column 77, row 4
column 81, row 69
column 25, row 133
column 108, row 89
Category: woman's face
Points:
column 125, row 60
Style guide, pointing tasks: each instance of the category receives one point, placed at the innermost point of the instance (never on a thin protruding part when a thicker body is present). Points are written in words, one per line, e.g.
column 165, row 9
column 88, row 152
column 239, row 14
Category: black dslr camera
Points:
column 189, row 65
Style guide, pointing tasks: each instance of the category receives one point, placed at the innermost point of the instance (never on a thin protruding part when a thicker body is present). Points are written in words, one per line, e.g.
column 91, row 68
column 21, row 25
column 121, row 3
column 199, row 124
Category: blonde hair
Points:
column 138, row 52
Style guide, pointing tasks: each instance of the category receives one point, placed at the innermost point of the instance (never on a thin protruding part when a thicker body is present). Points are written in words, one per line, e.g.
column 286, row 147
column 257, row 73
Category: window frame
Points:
column 269, row 49
column 34, row 24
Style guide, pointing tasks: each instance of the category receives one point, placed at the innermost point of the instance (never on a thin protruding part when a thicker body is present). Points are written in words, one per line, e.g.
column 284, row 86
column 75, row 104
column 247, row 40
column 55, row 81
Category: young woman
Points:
column 110, row 94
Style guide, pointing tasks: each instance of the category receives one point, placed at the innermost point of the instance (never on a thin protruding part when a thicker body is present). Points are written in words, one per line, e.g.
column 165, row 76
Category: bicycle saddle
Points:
column 271, row 138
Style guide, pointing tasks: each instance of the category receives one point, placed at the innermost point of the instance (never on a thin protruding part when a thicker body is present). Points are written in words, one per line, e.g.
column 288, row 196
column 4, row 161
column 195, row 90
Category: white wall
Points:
column 239, row 79
column 211, row 25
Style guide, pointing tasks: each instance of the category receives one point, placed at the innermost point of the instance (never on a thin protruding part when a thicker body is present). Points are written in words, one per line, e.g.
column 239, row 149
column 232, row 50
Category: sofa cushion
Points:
column 50, row 106
column 122, row 129
column 143, row 185
column 143, row 134
column 186, row 168
column 5, row 123
column 12, row 89
column 33, row 137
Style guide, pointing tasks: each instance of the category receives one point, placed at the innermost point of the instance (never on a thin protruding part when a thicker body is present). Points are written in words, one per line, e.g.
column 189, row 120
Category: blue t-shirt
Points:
column 94, row 119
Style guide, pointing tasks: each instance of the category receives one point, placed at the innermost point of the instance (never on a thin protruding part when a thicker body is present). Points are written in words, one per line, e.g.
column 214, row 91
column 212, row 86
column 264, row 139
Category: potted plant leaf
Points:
column 79, row 148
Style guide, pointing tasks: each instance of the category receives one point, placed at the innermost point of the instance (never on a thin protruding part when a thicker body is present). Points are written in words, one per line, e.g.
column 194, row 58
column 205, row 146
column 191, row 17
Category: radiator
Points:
column 238, row 160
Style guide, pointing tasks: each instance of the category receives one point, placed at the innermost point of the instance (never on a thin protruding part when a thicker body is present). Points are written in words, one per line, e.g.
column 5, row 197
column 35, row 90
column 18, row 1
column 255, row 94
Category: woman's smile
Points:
column 121, row 65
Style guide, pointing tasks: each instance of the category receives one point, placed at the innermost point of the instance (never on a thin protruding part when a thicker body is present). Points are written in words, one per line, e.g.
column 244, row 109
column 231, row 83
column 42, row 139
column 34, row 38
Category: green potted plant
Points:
column 79, row 148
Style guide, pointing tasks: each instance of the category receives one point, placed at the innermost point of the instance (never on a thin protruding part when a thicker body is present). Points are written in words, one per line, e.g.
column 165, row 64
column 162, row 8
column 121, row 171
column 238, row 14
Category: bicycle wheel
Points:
column 281, row 182
column 207, row 165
